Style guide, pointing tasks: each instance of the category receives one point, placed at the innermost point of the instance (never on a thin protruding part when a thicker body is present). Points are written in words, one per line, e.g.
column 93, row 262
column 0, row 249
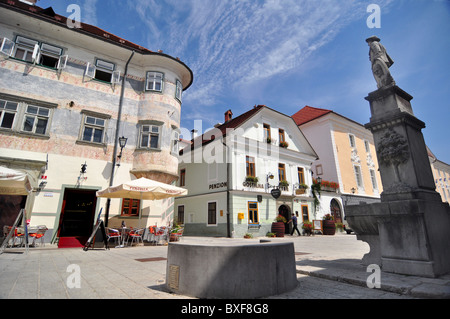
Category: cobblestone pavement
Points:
column 327, row 267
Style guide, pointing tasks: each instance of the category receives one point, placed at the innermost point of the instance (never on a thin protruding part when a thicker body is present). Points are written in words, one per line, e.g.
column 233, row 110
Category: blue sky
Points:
column 290, row 53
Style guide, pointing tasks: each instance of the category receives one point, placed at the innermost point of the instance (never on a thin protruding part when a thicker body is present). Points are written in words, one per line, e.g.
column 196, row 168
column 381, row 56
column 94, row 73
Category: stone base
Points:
column 412, row 237
column 231, row 271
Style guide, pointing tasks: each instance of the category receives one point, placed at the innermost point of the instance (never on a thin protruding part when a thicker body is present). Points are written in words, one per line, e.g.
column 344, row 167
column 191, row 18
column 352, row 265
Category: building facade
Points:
column 441, row 174
column 66, row 96
column 231, row 171
column 347, row 161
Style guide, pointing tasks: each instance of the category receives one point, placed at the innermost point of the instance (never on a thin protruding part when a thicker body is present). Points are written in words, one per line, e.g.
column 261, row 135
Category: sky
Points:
column 287, row 54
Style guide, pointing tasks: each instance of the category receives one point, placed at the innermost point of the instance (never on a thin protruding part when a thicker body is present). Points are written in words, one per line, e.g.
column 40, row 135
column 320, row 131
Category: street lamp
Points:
column 122, row 142
column 319, row 180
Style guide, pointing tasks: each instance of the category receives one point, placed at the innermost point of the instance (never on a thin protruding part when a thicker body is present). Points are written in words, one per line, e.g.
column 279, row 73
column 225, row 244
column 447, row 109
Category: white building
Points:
column 231, row 170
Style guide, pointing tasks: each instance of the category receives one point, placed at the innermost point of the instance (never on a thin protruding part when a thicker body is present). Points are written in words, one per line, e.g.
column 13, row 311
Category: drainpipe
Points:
column 228, row 190
column 116, row 138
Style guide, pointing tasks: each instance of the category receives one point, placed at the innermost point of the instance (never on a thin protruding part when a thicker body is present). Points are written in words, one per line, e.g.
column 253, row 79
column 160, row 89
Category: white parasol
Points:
column 14, row 182
column 142, row 189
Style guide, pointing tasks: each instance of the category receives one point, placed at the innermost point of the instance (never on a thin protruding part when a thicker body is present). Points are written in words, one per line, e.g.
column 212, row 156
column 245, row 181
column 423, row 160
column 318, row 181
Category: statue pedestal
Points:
column 409, row 231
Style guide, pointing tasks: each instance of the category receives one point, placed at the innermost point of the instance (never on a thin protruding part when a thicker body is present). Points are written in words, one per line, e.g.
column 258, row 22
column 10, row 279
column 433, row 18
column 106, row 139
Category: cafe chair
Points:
column 113, row 233
column 38, row 234
column 136, row 235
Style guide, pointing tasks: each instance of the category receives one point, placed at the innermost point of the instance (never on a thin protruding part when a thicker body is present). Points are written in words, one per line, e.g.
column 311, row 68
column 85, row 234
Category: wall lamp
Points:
column 122, row 142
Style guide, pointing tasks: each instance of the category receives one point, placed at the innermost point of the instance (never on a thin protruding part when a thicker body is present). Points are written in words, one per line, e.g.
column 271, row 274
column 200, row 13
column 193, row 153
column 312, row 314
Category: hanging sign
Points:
column 275, row 193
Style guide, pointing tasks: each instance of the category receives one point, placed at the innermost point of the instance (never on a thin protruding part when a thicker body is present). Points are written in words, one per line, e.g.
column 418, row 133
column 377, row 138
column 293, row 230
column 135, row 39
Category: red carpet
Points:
column 71, row 242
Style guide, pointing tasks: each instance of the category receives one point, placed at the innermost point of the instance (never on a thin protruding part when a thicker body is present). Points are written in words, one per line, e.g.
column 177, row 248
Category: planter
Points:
column 173, row 237
column 278, row 228
column 329, row 227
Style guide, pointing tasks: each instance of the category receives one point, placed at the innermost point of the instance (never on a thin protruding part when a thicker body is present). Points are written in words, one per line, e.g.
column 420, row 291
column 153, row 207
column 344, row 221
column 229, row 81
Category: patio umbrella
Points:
column 142, row 189
column 14, row 182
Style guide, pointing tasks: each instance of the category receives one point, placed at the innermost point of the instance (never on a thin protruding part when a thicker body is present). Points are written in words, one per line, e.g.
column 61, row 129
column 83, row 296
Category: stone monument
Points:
column 409, row 230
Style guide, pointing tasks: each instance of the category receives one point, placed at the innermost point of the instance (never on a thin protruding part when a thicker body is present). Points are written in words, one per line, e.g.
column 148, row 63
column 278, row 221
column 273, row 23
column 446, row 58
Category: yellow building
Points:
column 347, row 161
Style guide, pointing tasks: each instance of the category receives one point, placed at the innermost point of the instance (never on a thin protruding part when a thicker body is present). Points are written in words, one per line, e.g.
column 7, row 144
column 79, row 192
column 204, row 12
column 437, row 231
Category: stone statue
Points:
column 381, row 62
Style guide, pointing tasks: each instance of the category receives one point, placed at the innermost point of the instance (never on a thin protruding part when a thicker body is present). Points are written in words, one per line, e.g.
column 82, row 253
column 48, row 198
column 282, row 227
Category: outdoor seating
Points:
column 115, row 234
column 151, row 235
column 161, row 234
column 136, row 235
column 38, row 233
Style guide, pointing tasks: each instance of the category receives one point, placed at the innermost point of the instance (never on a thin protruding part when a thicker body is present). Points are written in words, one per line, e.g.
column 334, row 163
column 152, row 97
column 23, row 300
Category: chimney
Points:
column 228, row 115
column 194, row 133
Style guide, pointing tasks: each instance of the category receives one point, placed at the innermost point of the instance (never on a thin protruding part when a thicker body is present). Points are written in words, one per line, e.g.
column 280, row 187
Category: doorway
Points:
column 335, row 209
column 77, row 216
column 285, row 211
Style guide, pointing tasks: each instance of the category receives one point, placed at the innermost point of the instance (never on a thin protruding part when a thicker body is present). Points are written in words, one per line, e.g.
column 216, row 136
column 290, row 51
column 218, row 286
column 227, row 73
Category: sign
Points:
column 276, row 193
column 317, row 225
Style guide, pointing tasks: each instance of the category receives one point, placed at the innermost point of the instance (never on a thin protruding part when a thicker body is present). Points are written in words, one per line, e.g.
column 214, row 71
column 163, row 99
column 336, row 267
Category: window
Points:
column 154, row 81
column 103, row 71
column 253, row 217
column 36, row 119
column 250, row 165
column 358, row 177
column 267, row 137
column 178, row 90
column 150, row 136
column 367, row 146
column 281, row 172
column 281, row 136
column 32, row 51
column 305, row 213
column 351, row 138
column 93, row 129
column 25, row 49
column 373, row 178
column 8, row 112
column 130, row 207
column 301, row 175
column 180, row 219
column 212, row 213
column 175, row 142
column 183, row 177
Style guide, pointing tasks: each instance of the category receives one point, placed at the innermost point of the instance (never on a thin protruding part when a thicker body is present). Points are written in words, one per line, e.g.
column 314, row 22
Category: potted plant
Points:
column 307, row 227
column 301, row 189
column 251, row 179
column 284, row 144
column 283, row 184
column 329, row 226
column 340, row 227
column 269, row 140
column 248, row 236
column 270, row 235
column 278, row 226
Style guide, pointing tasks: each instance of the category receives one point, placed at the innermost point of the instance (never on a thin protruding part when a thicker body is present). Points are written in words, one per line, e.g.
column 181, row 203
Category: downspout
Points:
column 228, row 190
column 116, row 138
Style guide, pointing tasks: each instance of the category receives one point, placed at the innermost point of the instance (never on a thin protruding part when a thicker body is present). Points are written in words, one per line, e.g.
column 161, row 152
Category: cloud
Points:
column 89, row 12
column 231, row 45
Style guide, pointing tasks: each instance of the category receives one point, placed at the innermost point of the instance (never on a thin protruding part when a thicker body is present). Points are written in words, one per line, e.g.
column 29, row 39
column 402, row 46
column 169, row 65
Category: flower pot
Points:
column 329, row 227
column 278, row 228
column 173, row 237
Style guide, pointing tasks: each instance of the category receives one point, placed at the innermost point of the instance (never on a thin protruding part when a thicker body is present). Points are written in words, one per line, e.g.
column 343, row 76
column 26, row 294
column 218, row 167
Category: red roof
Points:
column 231, row 124
column 308, row 114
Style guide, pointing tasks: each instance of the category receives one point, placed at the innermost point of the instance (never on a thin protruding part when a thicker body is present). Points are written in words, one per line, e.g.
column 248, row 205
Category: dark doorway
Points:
column 335, row 209
column 77, row 214
column 10, row 206
column 285, row 211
